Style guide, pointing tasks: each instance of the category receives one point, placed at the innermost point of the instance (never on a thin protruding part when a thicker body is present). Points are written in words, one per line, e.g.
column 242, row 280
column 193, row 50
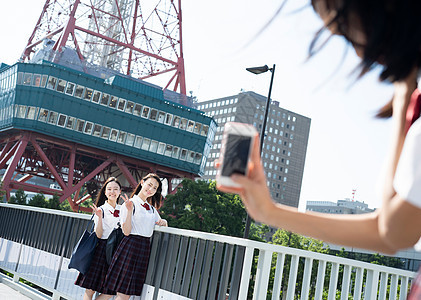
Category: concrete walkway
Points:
column 10, row 290
column 7, row 293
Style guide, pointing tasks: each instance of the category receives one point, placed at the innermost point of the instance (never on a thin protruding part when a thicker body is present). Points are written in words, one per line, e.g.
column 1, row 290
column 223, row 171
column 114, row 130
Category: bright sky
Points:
column 347, row 145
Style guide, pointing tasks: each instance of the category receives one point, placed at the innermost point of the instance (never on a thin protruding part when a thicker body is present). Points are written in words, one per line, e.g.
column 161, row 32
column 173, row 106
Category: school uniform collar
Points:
column 142, row 203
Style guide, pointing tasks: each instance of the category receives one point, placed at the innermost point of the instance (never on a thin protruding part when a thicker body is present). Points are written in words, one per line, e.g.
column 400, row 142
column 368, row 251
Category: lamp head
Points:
column 258, row 70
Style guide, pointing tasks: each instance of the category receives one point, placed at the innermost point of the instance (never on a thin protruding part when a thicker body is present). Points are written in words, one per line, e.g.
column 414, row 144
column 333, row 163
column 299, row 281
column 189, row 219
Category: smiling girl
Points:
column 127, row 271
column 106, row 218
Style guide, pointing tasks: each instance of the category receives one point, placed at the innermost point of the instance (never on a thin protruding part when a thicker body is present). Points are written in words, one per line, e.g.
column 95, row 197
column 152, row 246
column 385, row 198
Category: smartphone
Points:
column 237, row 142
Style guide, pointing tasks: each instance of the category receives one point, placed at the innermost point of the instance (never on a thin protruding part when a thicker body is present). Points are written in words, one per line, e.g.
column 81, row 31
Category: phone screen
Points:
column 236, row 154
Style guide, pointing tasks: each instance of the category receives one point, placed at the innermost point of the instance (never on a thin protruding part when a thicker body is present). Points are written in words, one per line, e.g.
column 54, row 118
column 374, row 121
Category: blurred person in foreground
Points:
column 388, row 34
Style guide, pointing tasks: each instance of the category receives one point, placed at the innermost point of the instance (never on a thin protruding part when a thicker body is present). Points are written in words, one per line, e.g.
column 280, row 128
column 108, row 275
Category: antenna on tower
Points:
column 142, row 40
column 353, row 194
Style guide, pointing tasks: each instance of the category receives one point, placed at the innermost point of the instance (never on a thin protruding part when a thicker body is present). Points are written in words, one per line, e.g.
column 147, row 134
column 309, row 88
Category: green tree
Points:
column 258, row 232
column 38, row 200
column 198, row 205
column 54, row 202
column 18, row 198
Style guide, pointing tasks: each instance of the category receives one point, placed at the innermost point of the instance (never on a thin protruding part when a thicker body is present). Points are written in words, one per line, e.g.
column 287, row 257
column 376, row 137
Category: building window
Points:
column 176, row 121
column 37, row 80
column 80, row 124
column 168, row 150
column 161, row 117
column 130, row 139
column 153, row 115
column 161, row 148
column 183, row 124
column 121, row 104
column 88, row 127
column 138, row 142
column 129, row 107
column 70, row 88
column 88, row 94
column 113, row 135
column 168, row 119
column 61, row 85
column 71, row 121
column 51, row 84
column 145, row 112
column 97, row 130
column 43, row 115
column 79, row 91
column 122, row 137
column 61, row 120
column 113, row 102
column 146, row 143
column 105, row 98
column 190, row 126
column 137, row 109
column 183, row 154
column 154, row 146
column 105, row 132
column 96, row 97
column 32, row 113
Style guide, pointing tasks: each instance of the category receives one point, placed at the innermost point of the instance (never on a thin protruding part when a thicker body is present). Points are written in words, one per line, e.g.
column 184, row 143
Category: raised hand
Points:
column 96, row 210
column 162, row 222
column 129, row 204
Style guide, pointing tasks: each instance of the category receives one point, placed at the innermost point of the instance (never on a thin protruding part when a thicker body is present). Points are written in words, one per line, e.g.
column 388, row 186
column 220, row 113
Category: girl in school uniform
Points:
column 127, row 272
column 106, row 218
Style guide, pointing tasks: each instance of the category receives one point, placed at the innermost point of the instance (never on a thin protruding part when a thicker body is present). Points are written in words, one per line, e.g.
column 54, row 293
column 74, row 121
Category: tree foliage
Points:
column 18, row 198
column 198, row 205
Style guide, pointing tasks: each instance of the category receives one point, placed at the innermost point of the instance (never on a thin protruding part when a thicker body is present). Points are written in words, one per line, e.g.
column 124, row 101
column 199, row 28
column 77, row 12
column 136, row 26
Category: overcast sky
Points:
column 347, row 145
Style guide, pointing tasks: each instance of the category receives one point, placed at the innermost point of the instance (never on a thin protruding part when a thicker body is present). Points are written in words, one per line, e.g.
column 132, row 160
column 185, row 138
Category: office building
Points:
column 285, row 144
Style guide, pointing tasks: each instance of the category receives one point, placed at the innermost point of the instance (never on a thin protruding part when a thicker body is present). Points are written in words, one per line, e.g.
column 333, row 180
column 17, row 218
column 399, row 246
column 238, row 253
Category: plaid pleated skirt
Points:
column 95, row 277
column 128, row 268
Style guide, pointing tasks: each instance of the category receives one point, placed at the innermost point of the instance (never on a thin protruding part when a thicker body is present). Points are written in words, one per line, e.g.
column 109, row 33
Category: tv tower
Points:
column 140, row 39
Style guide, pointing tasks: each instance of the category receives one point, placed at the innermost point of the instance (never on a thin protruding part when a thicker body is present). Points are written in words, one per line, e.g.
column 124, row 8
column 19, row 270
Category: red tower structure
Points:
column 133, row 40
column 140, row 39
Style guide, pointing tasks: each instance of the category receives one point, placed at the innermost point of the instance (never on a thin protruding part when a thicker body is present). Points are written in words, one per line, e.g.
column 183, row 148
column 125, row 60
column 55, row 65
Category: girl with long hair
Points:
column 106, row 218
column 127, row 272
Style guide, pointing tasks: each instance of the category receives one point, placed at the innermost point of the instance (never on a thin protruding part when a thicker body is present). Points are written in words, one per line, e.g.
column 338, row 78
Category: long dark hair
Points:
column 156, row 199
column 101, row 198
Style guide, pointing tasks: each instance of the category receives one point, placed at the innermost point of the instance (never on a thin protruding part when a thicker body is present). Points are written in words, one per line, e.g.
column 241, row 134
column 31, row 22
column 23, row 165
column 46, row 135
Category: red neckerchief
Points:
column 146, row 206
column 414, row 109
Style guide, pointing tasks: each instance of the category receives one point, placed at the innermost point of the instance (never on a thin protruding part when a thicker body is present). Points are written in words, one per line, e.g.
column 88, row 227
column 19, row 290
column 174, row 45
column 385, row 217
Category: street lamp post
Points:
column 260, row 70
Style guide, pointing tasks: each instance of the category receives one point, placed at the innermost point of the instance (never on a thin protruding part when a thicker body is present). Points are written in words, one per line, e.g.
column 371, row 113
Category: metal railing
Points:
column 35, row 245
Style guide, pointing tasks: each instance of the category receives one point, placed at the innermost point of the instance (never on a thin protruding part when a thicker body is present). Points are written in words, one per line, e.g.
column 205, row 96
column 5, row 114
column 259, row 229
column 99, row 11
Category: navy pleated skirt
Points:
column 95, row 277
column 127, row 271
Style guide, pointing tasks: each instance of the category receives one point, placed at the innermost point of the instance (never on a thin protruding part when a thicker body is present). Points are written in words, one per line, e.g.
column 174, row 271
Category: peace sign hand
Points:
column 129, row 204
column 96, row 210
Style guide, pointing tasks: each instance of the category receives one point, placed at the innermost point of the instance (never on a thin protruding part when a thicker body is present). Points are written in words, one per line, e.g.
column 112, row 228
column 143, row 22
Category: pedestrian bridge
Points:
column 36, row 244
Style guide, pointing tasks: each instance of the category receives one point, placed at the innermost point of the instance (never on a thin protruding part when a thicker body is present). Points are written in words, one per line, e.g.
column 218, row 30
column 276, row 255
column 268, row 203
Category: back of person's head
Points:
column 101, row 198
column 156, row 199
column 392, row 29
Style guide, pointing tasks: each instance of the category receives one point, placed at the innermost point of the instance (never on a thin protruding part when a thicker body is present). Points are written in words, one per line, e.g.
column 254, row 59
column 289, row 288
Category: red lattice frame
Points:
column 141, row 40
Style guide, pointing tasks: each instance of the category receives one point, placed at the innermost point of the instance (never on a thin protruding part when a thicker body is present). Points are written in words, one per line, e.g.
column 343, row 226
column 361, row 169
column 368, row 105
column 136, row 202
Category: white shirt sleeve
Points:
column 407, row 181
column 123, row 213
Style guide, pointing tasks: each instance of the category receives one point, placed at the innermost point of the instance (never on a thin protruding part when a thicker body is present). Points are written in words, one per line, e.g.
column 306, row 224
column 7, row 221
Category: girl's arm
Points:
column 347, row 230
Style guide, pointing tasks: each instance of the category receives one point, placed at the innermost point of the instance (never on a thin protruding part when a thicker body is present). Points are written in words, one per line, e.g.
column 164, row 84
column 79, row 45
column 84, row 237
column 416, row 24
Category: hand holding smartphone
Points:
column 237, row 142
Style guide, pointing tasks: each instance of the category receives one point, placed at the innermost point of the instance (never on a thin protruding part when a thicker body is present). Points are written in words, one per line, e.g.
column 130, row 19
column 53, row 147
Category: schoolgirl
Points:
column 127, row 272
column 106, row 218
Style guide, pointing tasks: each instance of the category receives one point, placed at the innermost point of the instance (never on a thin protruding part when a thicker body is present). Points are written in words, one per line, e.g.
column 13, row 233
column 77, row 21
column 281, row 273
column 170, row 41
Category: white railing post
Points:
column 245, row 274
column 371, row 284
column 333, row 282
column 262, row 274
column 345, row 282
column 292, row 276
column 393, row 290
column 320, row 280
column 404, row 288
column 277, row 283
column 305, row 286
column 383, row 286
